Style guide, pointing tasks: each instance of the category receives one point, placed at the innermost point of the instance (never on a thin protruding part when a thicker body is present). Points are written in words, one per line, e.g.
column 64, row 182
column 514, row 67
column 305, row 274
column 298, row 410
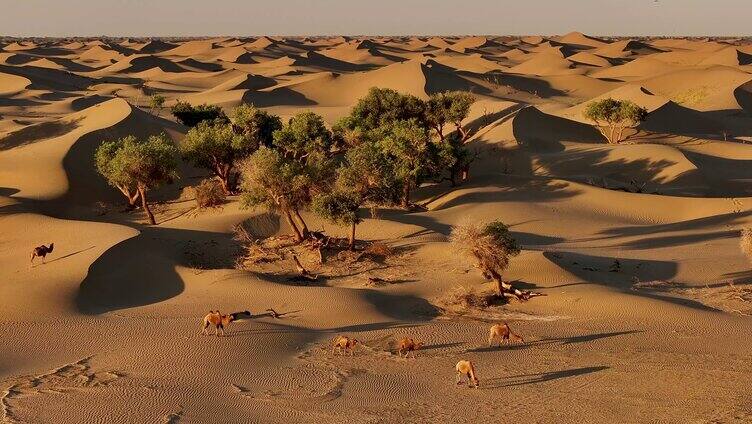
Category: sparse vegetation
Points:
column 209, row 193
column 136, row 166
column 156, row 103
column 491, row 246
column 745, row 242
column 611, row 117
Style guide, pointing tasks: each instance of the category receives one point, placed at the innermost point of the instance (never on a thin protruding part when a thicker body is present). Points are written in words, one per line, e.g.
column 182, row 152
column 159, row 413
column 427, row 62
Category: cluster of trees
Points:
column 387, row 146
column 611, row 117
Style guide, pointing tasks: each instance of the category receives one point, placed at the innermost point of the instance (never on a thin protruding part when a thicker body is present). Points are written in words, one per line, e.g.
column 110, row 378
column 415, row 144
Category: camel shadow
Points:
column 70, row 254
column 545, row 342
column 537, row 378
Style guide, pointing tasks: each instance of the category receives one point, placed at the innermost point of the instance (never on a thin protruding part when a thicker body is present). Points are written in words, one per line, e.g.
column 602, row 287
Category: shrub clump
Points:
column 209, row 194
column 745, row 242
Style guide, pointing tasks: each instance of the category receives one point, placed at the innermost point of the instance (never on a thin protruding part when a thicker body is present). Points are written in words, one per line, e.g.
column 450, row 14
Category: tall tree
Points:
column 269, row 179
column 306, row 140
column 450, row 107
column 407, row 143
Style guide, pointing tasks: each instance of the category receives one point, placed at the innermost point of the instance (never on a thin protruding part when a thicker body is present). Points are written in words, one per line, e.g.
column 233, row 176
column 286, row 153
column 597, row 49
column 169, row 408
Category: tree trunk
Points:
column 620, row 135
column 296, row 231
column 225, row 185
column 611, row 137
column 352, row 236
column 303, row 227
column 507, row 290
column 465, row 173
column 406, row 195
column 145, row 205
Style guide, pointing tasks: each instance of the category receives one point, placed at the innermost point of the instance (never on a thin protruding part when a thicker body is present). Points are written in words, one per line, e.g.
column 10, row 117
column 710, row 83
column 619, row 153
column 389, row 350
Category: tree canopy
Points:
column 190, row 115
column 137, row 165
column 611, row 117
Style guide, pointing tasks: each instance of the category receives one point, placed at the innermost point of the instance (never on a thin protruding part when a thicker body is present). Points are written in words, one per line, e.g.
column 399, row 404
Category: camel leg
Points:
column 459, row 378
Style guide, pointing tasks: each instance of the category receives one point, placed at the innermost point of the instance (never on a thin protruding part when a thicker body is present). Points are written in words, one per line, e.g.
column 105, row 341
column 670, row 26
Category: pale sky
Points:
column 374, row 17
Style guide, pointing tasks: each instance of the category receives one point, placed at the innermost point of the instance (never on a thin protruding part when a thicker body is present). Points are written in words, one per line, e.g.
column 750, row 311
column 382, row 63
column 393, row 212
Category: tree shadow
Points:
column 38, row 132
column 599, row 270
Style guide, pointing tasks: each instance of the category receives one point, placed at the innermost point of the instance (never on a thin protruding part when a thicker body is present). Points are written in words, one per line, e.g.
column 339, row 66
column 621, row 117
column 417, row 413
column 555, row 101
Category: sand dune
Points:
column 634, row 245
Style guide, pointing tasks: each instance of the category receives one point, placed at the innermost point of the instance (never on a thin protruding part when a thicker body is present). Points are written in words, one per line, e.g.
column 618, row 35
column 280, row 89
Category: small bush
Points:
column 745, row 242
column 209, row 194
column 461, row 299
column 379, row 249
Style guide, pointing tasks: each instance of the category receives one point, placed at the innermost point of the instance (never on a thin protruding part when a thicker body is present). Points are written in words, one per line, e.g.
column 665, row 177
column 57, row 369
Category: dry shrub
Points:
column 209, row 194
column 254, row 250
column 490, row 244
column 379, row 249
column 461, row 299
column 745, row 242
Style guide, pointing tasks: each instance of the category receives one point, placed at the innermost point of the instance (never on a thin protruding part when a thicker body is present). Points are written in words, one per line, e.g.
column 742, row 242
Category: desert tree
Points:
column 365, row 178
column 271, row 180
column 383, row 106
column 140, row 164
column 611, row 117
column 451, row 155
column 449, row 108
column 256, row 125
column 304, row 134
column 491, row 246
column 156, row 103
column 340, row 208
column 190, row 115
column 407, row 145
column 306, row 140
column 216, row 146
column 112, row 172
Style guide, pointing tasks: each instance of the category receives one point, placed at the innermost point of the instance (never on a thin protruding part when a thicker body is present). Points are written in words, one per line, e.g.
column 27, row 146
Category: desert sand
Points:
column 634, row 245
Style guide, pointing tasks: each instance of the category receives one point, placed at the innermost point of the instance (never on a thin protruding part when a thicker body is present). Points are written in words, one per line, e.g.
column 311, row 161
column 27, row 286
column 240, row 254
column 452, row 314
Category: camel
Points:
column 467, row 369
column 503, row 333
column 408, row 345
column 219, row 321
column 344, row 343
column 41, row 251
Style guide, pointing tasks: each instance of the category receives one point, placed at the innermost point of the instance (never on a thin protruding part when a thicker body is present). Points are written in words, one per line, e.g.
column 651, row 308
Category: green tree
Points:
column 269, row 179
column 216, row 147
column 303, row 135
column 383, row 106
column 111, row 171
column 190, row 116
column 256, row 125
column 140, row 164
column 611, row 117
column 450, row 107
column 156, row 103
column 339, row 208
column 407, row 144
